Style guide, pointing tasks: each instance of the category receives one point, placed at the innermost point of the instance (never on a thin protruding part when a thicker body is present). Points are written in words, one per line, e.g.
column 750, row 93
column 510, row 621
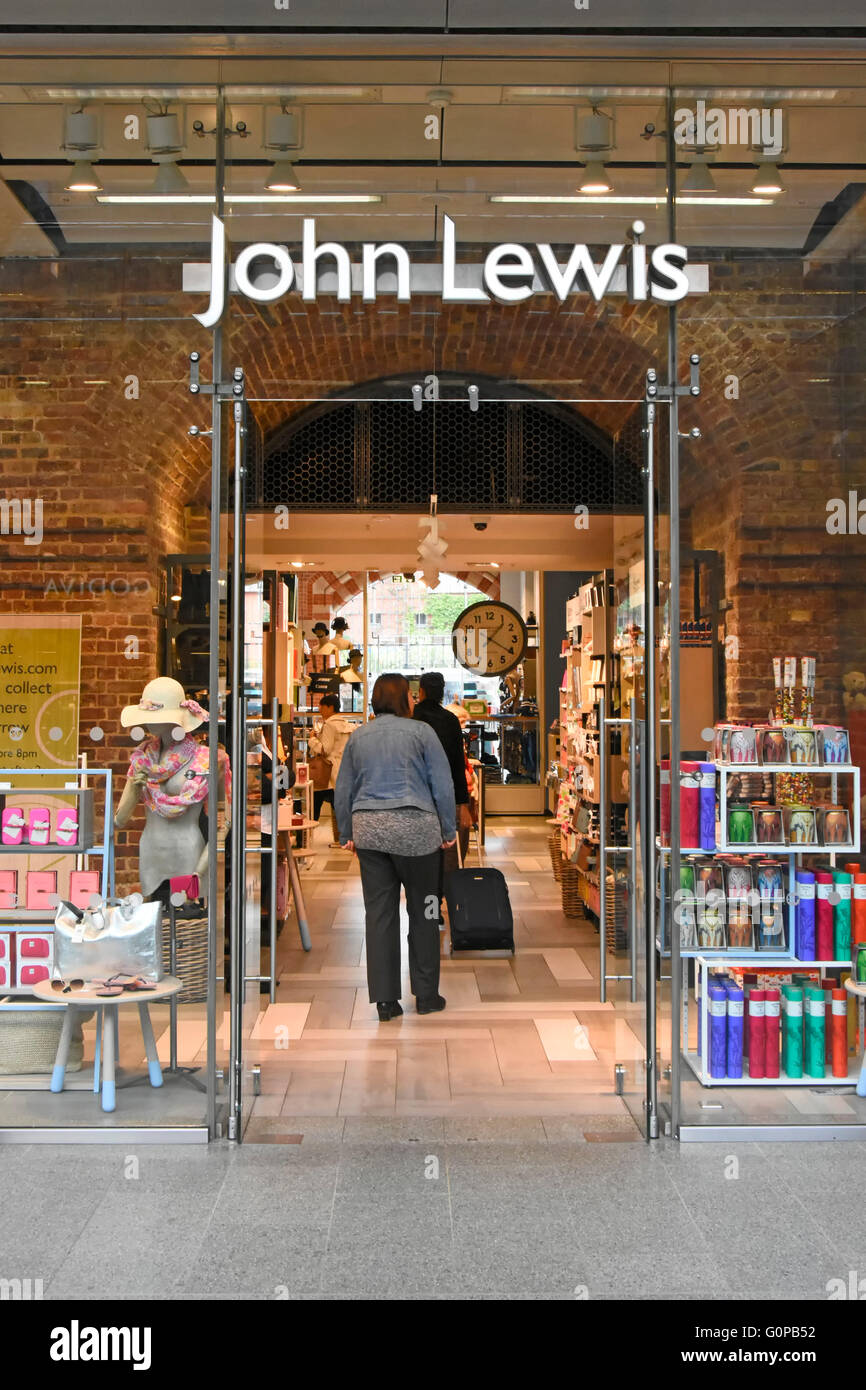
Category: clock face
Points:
column 489, row 638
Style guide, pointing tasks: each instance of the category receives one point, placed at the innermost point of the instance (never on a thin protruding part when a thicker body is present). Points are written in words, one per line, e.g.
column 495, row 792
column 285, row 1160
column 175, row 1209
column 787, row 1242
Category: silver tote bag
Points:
column 125, row 938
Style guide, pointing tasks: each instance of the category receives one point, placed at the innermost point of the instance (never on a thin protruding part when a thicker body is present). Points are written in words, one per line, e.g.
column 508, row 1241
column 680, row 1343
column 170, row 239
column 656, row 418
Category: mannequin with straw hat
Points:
column 168, row 771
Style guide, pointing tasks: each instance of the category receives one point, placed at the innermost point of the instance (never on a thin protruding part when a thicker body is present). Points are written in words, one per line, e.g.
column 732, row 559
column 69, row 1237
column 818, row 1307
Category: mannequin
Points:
column 169, row 772
column 340, row 640
column 352, row 674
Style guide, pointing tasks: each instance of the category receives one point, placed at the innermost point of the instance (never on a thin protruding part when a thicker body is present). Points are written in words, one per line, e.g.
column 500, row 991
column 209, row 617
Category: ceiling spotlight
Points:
column 83, row 178
column 595, row 178
column 699, row 179
column 81, row 136
column 768, row 180
column 170, row 179
column 283, row 178
column 283, row 134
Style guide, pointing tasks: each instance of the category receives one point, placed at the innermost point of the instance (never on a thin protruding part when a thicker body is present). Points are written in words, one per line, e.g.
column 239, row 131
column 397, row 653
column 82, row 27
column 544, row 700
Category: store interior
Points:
column 406, row 461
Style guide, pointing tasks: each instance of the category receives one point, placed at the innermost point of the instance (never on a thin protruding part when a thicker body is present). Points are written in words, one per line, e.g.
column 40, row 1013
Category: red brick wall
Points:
column 122, row 481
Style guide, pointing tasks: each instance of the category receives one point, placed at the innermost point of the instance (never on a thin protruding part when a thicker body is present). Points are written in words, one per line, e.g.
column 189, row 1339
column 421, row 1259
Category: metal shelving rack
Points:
column 16, row 917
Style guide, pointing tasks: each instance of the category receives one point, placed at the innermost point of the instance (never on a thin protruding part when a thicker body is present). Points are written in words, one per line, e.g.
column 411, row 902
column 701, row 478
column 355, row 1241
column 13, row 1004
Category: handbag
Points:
column 320, row 772
column 122, row 938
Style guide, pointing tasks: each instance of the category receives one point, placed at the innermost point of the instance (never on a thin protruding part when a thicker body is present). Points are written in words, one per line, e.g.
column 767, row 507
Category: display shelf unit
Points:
column 726, row 847
column 698, row 1061
column 588, row 657
column 12, row 919
column 725, row 770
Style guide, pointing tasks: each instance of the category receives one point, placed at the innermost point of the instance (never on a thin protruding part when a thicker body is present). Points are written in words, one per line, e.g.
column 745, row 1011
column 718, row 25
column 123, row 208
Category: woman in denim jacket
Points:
column 394, row 804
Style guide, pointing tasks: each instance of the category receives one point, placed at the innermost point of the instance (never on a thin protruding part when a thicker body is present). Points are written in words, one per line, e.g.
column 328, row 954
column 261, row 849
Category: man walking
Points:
column 446, row 726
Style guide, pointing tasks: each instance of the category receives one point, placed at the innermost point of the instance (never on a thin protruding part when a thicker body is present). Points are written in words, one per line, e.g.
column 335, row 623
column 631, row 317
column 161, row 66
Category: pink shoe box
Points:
column 39, row 828
column 41, row 888
column 5, row 961
column 12, row 825
column 83, row 883
column 8, row 890
column 66, row 827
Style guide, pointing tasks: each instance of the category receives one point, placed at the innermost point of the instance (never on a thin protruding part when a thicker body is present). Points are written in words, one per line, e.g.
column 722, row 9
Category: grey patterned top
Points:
column 409, row 831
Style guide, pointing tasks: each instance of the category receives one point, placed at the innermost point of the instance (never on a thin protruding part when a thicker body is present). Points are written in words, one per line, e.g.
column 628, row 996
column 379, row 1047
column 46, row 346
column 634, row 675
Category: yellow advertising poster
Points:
column 40, row 659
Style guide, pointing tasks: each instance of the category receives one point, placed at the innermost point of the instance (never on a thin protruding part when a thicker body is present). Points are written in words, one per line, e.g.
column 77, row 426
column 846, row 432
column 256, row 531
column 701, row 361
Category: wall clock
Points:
column 489, row 638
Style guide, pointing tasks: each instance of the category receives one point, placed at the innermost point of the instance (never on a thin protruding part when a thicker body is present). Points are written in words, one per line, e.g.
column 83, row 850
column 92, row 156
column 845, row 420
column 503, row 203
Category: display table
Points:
column 287, row 826
column 107, row 1030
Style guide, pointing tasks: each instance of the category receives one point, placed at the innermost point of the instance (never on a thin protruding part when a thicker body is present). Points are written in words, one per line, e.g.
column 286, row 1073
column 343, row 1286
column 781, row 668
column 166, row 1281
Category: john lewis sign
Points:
column 510, row 273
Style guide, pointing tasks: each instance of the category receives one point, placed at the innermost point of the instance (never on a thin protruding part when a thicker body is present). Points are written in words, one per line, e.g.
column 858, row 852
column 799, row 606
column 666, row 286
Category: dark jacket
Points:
column 446, row 727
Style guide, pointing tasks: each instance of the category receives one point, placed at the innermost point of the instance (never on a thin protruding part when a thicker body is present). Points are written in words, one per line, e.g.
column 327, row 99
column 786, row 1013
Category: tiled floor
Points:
column 520, row 1036
column 447, row 1208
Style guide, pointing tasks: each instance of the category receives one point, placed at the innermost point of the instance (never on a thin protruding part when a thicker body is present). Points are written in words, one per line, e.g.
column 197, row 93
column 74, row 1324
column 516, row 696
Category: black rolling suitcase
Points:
column 479, row 910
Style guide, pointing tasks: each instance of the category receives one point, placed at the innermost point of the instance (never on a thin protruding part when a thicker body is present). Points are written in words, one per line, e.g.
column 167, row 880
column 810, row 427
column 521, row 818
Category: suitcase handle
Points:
column 459, row 852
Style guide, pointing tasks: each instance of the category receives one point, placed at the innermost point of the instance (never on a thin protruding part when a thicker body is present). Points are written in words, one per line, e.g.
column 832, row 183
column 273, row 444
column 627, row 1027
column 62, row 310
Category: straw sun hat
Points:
column 163, row 701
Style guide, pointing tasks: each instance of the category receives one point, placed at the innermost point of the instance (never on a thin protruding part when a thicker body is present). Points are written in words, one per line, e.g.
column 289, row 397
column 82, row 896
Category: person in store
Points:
column 446, row 726
column 394, row 803
column 329, row 740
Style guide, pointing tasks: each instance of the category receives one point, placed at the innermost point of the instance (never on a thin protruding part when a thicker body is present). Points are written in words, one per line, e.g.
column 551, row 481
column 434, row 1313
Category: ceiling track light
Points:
column 81, row 137
column 595, row 179
column 767, row 180
column 83, row 178
column 283, row 133
column 594, row 135
column 283, row 178
column 699, row 179
column 169, row 179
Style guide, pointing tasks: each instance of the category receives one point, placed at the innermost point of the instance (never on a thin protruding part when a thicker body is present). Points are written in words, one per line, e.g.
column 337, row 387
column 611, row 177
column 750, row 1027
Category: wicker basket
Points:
column 28, row 1041
column 556, row 854
column 570, row 884
column 616, row 910
column 190, row 956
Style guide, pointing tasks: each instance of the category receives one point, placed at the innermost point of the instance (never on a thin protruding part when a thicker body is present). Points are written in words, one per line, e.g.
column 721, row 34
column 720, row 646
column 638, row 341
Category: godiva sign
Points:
column 511, row 272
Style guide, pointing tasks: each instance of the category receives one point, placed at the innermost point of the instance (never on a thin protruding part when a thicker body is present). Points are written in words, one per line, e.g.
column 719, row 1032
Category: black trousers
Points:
column 381, row 878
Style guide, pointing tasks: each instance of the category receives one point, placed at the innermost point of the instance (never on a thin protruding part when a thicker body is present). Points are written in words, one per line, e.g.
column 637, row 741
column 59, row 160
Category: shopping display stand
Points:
column 71, row 782
column 707, row 959
column 107, row 1030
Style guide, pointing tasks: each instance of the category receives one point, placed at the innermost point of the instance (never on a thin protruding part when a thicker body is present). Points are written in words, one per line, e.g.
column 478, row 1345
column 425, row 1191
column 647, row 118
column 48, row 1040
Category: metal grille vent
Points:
column 503, row 457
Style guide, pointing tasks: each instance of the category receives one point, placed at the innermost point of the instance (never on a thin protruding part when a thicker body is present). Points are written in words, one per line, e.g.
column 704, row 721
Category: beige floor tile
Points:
column 519, row 1051
column 564, row 1040
column 369, row 1088
column 473, row 1066
column 565, row 964
column 281, row 1021
column 422, row 1072
column 314, row 1089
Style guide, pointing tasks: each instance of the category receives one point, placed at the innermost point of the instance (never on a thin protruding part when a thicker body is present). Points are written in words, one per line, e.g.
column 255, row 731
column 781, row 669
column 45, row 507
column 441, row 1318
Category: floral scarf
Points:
column 189, row 757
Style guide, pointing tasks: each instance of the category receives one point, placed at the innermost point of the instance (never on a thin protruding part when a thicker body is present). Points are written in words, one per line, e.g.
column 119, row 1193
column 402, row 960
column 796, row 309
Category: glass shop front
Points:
column 545, row 373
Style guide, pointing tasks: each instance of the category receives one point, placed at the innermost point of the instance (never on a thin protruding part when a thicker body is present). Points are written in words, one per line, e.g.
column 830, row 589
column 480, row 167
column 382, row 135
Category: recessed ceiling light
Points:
column 297, row 564
column 658, row 201
column 300, row 198
column 569, row 93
